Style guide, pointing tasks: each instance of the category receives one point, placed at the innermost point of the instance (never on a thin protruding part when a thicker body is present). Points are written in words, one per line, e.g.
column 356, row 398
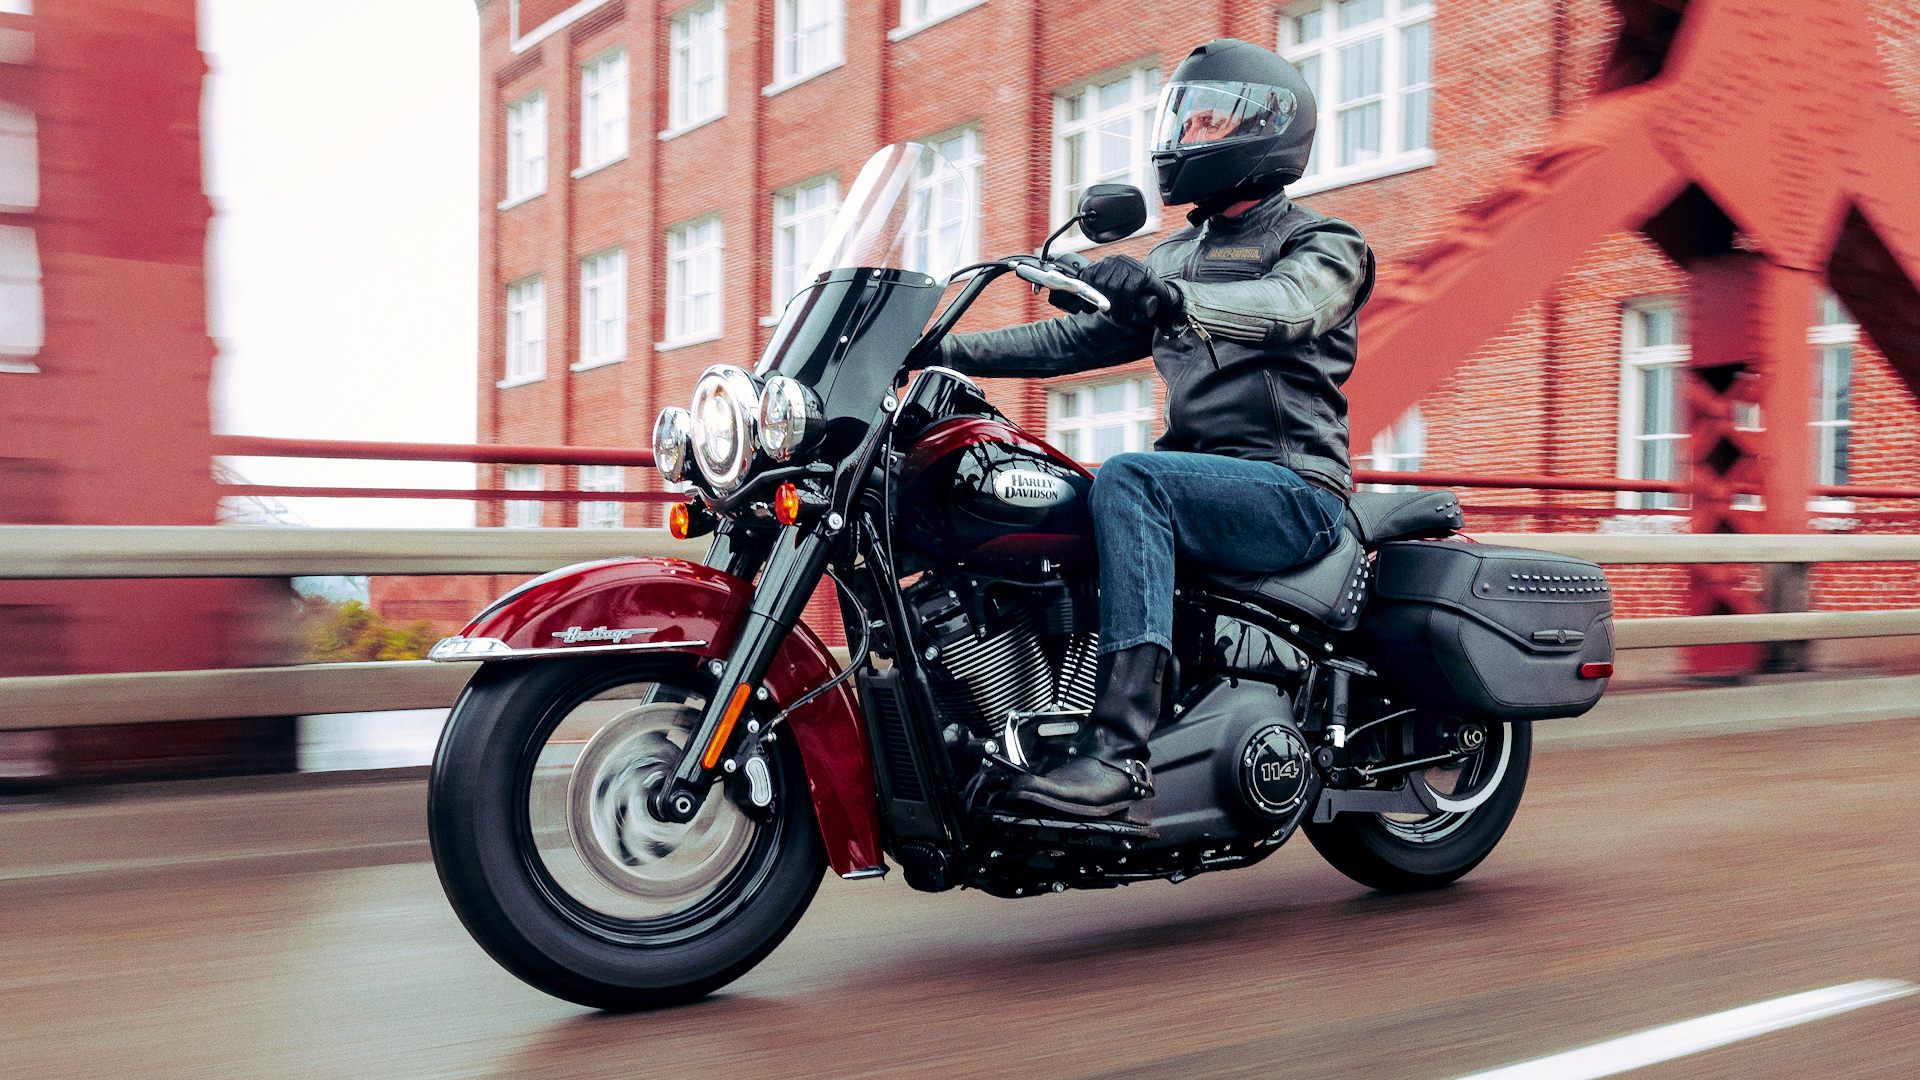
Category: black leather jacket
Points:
column 1255, row 364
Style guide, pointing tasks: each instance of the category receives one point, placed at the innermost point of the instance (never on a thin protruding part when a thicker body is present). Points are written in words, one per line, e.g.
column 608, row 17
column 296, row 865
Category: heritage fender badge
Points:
column 1021, row 487
column 573, row 635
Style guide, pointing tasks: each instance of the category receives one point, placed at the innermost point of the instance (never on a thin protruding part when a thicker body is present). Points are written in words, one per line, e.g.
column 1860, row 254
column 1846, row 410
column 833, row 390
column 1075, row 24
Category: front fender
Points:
column 679, row 601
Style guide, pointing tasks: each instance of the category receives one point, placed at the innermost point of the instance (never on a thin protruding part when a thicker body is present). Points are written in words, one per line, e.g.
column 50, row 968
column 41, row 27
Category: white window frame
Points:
column 19, row 158
column 601, row 515
column 16, row 7
column 1072, row 423
column 1143, row 99
column 792, row 63
column 1827, row 338
column 917, row 15
column 1636, row 358
column 1400, row 448
column 604, row 98
column 1323, row 171
column 692, row 30
column 23, row 324
column 797, row 235
column 526, row 332
column 522, row 513
column 526, row 150
column 689, row 245
column 967, row 158
column 603, row 309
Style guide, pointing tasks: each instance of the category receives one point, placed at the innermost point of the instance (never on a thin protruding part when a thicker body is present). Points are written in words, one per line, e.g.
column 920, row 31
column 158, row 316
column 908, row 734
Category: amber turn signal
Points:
column 718, row 743
column 680, row 521
column 786, row 504
column 1596, row 671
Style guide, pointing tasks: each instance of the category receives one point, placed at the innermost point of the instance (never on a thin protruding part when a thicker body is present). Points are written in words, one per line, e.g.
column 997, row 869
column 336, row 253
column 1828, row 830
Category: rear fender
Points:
column 690, row 609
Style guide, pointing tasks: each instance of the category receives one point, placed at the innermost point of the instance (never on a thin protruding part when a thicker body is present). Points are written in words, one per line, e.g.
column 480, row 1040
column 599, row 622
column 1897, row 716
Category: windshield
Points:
column 911, row 209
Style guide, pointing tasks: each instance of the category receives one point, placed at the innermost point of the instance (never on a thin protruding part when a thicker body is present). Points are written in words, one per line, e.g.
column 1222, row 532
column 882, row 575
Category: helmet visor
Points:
column 1206, row 112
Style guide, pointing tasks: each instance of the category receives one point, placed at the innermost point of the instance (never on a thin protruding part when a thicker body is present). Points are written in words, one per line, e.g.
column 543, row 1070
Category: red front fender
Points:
column 685, row 601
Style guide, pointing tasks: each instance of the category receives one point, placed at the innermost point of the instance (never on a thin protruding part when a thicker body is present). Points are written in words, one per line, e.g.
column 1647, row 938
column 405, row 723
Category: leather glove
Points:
column 1138, row 295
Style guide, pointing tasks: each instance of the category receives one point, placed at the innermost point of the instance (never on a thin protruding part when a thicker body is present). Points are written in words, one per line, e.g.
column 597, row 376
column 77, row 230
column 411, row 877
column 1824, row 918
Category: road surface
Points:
column 1638, row 887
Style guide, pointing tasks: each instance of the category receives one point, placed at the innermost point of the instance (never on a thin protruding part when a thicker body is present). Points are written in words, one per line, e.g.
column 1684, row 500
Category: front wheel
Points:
column 546, row 846
column 1406, row 853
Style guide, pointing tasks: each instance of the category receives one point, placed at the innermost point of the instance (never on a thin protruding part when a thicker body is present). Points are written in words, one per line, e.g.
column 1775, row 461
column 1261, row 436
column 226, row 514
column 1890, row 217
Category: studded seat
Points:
column 1381, row 516
column 1330, row 591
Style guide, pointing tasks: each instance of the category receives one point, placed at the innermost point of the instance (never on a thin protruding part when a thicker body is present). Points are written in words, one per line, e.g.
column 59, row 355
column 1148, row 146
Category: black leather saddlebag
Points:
column 1495, row 633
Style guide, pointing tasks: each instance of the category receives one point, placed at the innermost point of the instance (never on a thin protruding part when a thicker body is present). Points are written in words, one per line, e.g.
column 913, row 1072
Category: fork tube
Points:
column 793, row 569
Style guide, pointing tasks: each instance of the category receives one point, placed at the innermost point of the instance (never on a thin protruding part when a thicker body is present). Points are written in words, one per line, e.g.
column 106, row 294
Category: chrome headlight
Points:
column 672, row 435
column 789, row 418
column 725, row 411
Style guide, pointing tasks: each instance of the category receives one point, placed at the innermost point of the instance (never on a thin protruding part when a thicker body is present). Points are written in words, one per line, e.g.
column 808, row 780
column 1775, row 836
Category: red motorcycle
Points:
column 638, row 792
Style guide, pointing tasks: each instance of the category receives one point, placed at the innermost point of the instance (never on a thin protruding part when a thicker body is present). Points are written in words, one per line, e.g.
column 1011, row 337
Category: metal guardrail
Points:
column 41, row 552
column 175, row 551
column 183, row 551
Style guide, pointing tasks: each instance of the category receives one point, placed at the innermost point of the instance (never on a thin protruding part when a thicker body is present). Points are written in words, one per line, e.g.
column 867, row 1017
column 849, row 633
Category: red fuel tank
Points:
column 982, row 490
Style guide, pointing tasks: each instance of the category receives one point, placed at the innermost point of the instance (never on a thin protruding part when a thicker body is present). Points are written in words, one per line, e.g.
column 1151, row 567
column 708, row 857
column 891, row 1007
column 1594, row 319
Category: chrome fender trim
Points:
column 457, row 650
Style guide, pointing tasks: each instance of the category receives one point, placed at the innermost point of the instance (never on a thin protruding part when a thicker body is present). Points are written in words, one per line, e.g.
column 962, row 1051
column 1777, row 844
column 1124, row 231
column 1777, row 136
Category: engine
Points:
column 997, row 649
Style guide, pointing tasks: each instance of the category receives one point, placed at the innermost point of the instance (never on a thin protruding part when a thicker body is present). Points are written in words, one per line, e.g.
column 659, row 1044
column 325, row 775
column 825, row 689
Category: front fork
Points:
column 793, row 567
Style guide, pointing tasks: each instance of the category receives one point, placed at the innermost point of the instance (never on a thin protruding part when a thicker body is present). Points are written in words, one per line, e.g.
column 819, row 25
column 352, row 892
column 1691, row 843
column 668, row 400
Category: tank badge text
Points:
column 1018, row 487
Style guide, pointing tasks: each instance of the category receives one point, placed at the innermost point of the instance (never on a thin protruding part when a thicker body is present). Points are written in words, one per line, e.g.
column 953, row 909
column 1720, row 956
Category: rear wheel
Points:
column 1477, row 798
column 547, row 848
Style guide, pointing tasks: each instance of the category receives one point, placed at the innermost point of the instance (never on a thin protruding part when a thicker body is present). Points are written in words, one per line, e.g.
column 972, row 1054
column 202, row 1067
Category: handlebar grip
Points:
column 1053, row 279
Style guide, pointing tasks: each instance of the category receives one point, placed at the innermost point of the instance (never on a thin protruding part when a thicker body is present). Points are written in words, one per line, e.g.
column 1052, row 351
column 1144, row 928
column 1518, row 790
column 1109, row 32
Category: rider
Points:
column 1249, row 317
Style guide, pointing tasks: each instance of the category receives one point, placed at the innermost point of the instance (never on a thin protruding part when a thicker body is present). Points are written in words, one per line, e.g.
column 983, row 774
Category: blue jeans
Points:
column 1150, row 510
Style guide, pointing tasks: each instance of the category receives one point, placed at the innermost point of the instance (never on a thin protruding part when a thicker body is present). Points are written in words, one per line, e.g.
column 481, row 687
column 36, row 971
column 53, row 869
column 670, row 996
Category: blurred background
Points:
column 321, row 325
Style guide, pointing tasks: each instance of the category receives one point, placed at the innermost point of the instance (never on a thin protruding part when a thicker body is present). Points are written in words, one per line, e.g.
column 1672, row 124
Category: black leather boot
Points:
column 1107, row 776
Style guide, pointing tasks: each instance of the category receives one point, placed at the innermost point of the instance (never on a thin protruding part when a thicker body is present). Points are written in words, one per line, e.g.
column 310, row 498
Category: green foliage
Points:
column 337, row 633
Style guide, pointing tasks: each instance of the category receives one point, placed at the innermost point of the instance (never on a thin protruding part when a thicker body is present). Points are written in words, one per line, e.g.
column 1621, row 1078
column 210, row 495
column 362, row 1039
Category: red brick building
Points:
column 106, row 368
column 654, row 172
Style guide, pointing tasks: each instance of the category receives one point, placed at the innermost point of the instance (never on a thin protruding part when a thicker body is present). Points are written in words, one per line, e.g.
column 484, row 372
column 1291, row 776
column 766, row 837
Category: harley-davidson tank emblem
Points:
column 573, row 635
column 1022, row 487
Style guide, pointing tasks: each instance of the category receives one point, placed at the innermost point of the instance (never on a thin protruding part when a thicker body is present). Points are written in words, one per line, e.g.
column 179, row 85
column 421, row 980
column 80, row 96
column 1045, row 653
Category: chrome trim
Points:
column 455, row 650
column 950, row 373
column 867, row 874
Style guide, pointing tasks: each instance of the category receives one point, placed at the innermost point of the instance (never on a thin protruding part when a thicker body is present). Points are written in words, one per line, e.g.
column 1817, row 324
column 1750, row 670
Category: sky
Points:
column 341, row 145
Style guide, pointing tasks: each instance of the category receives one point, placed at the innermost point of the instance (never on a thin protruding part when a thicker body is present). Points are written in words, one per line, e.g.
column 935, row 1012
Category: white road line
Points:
column 1702, row 1033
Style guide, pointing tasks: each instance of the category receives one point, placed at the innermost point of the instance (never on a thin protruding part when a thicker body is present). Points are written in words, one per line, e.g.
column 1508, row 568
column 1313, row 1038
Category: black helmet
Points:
column 1235, row 120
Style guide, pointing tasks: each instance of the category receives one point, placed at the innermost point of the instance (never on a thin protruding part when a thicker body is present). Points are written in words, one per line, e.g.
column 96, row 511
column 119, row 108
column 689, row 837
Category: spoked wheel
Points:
column 548, row 849
column 1476, row 796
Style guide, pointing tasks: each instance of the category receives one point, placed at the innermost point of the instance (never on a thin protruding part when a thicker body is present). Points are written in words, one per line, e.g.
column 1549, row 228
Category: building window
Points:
column 1370, row 63
column 917, row 13
column 1101, row 135
column 22, row 317
column 946, row 206
column 1833, row 339
column 1653, row 423
column 697, row 65
column 1091, row 422
column 603, row 308
column 19, row 158
column 808, row 38
column 603, row 110
column 801, row 216
column 522, row 513
column 527, row 147
column 600, row 515
column 526, row 330
column 693, row 281
column 1400, row 448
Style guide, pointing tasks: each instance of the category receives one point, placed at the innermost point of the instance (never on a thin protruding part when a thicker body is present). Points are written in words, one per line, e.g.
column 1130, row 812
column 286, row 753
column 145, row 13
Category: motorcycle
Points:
column 638, row 792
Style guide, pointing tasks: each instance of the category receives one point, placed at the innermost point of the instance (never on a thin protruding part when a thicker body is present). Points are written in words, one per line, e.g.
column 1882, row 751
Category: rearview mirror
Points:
column 1110, row 212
